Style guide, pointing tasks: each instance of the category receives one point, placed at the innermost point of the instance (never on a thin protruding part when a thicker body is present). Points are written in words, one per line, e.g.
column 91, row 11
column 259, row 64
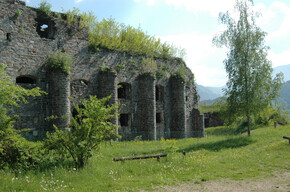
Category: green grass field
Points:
column 221, row 154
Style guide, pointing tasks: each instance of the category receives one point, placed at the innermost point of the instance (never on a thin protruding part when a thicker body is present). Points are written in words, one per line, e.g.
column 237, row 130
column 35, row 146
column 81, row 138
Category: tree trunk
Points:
column 249, row 125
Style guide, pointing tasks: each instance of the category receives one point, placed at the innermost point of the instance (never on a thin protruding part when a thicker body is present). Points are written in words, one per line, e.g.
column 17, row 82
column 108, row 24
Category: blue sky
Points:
column 191, row 24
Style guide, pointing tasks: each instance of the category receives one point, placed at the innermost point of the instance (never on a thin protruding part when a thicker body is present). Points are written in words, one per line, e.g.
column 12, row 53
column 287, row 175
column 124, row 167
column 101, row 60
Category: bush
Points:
column 109, row 34
column 15, row 151
column 45, row 7
column 59, row 60
column 90, row 127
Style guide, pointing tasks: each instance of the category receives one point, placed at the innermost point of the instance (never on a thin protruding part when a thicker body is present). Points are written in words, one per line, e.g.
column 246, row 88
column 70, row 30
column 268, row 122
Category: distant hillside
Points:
column 284, row 69
column 285, row 95
column 209, row 93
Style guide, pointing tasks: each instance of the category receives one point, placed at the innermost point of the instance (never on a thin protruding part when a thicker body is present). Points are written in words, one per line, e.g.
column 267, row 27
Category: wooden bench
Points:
column 284, row 137
column 140, row 157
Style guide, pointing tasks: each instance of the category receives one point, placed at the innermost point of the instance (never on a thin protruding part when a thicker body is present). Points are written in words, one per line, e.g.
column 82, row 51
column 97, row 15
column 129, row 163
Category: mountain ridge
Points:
column 208, row 94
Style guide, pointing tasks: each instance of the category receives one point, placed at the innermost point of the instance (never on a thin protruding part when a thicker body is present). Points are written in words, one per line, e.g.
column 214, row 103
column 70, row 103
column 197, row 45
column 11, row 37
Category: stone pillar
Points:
column 198, row 123
column 177, row 102
column 200, row 132
column 106, row 86
column 146, row 107
column 59, row 93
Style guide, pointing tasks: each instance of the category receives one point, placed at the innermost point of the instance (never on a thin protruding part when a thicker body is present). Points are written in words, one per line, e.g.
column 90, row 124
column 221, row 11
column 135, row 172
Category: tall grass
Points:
column 221, row 154
column 112, row 35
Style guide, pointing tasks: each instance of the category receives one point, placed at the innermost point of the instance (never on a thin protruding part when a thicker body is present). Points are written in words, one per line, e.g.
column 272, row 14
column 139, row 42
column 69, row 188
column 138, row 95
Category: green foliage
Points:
column 110, row 34
column 45, row 7
column 15, row 151
column 250, row 87
column 270, row 115
column 72, row 15
column 180, row 72
column 163, row 71
column 18, row 13
column 210, row 108
column 104, row 68
column 121, row 67
column 59, row 60
column 148, row 65
column 90, row 127
column 220, row 155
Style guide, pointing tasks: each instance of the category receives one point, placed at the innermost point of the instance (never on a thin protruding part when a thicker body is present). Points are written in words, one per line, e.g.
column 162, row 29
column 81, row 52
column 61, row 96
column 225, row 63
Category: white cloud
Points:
column 148, row 2
column 277, row 12
column 213, row 7
column 78, row 1
column 27, row 1
column 205, row 60
column 282, row 58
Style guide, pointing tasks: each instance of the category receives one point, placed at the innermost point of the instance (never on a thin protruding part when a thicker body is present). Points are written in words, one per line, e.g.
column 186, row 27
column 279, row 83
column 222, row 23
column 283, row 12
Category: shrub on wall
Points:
column 45, row 7
column 59, row 60
column 112, row 35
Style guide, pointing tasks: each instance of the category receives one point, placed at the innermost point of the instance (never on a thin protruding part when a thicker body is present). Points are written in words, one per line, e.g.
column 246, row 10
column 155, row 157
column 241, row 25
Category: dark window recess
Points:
column 8, row 37
column 26, row 80
column 186, row 98
column 124, row 120
column 124, row 91
column 158, row 93
column 158, row 118
column 45, row 27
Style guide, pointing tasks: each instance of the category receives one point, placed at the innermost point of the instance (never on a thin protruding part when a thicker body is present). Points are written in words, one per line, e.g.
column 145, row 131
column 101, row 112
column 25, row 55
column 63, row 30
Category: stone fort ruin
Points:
column 153, row 106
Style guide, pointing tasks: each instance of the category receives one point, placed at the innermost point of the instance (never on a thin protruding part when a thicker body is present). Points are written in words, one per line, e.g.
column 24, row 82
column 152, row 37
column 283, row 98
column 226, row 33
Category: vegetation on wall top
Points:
column 59, row 60
column 45, row 7
column 112, row 35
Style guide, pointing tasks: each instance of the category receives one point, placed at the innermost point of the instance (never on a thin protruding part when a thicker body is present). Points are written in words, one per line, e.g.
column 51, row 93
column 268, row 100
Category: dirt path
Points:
column 280, row 182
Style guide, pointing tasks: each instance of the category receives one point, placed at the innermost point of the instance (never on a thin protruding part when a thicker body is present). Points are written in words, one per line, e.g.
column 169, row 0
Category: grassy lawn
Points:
column 221, row 154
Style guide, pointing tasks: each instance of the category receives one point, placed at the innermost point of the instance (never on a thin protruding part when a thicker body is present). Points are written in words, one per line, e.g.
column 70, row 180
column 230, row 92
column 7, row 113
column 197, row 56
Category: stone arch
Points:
column 124, row 90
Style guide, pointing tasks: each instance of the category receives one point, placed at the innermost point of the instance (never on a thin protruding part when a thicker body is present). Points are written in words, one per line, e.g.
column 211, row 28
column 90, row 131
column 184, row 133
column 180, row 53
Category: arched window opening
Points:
column 25, row 80
column 124, row 90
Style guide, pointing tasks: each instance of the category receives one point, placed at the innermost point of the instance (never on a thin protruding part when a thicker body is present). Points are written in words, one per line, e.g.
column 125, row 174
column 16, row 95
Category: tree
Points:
column 90, row 127
column 250, row 87
column 15, row 151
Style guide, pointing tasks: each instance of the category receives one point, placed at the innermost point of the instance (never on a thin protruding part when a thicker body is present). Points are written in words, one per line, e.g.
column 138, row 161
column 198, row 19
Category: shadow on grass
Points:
column 217, row 146
column 223, row 130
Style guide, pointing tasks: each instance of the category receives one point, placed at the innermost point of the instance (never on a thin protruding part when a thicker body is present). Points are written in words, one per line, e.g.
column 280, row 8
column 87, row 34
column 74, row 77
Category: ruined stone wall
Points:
column 151, row 107
column 212, row 120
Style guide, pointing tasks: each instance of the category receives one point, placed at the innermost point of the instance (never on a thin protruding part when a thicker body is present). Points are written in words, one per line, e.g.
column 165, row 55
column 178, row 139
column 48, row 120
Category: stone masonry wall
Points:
column 151, row 107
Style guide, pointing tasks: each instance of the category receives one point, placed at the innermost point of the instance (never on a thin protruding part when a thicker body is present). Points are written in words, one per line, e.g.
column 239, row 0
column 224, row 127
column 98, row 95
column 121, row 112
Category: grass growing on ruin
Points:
column 221, row 154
